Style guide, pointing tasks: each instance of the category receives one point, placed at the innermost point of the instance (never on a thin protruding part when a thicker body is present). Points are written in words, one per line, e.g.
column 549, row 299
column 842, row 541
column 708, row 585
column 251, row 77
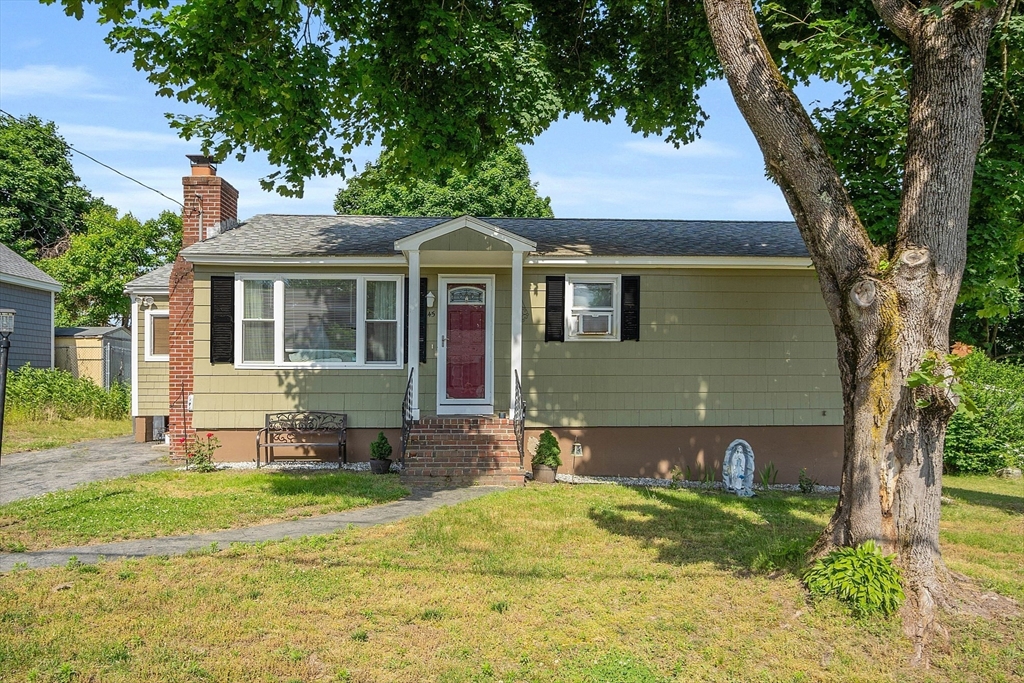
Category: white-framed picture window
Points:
column 592, row 311
column 158, row 337
column 317, row 320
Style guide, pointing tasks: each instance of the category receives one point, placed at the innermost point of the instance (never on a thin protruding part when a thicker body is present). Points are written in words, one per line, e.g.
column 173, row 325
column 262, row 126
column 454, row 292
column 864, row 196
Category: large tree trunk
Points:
column 888, row 309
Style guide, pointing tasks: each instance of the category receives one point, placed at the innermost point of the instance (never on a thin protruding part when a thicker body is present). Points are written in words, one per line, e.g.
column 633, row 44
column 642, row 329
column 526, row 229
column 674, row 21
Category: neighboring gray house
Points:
column 29, row 291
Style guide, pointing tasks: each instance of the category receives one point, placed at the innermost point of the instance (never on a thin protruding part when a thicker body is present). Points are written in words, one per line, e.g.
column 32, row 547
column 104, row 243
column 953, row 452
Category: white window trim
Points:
column 150, row 314
column 279, row 361
column 616, row 281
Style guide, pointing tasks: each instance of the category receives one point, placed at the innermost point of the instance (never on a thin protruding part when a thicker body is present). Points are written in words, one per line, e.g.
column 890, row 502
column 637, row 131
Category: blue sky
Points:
column 61, row 70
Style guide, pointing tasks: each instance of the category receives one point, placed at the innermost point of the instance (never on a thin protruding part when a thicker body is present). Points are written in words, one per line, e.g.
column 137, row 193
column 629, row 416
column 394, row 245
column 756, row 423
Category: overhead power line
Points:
column 108, row 166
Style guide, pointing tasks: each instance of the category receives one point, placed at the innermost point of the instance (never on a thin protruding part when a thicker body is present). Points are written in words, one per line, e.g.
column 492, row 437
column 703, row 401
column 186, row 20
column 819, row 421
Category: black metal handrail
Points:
column 519, row 421
column 407, row 416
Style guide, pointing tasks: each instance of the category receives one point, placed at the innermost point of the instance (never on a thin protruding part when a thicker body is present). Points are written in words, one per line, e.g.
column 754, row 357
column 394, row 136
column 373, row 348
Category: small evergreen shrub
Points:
column 994, row 437
column 380, row 449
column 43, row 394
column 548, row 451
column 862, row 577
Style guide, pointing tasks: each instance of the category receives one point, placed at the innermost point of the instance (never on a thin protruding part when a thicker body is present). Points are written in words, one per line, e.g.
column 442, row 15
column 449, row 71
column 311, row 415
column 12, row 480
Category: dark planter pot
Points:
column 380, row 466
column 543, row 474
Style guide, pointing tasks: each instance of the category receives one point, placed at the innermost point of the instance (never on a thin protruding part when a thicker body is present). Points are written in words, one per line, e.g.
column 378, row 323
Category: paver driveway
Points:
column 34, row 473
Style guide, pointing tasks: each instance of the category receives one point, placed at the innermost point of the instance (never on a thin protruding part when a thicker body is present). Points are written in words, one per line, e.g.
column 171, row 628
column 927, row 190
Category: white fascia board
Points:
column 29, row 283
column 750, row 262
column 414, row 241
column 239, row 260
column 148, row 291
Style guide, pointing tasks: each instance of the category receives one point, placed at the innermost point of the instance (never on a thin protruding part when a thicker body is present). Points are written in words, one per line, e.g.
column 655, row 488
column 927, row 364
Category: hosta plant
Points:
column 862, row 577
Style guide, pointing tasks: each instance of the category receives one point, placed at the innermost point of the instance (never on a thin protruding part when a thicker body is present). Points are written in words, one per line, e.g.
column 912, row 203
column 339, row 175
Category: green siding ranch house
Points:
column 644, row 345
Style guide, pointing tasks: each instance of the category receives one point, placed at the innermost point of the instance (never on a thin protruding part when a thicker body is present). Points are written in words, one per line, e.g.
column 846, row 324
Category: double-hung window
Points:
column 592, row 307
column 319, row 320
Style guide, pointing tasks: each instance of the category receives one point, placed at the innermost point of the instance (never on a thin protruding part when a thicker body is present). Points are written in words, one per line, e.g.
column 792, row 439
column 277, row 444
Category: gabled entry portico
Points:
column 466, row 381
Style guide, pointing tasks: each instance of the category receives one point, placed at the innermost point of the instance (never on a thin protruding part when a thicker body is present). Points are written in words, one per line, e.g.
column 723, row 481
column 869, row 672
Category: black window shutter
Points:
column 554, row 308
column 405, row 325
column 222, row 319
column 630, row 329
column 423, row 320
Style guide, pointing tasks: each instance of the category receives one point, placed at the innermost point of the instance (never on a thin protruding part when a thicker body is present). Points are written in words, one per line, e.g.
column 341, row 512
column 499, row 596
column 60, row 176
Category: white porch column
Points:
column 517, row 327
column 413, row 359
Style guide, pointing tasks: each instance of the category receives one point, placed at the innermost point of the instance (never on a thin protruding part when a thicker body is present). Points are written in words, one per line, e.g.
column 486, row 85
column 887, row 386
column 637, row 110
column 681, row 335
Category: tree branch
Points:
column 793, row 152
column 900, row 16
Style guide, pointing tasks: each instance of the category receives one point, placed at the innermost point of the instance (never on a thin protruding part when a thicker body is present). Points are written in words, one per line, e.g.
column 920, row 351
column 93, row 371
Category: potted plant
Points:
column 546, row 461
column 380, row 455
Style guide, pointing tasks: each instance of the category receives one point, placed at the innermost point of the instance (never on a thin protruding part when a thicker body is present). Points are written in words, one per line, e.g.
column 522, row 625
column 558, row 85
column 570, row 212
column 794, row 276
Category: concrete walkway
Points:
column 419, row 503
column 33, row 473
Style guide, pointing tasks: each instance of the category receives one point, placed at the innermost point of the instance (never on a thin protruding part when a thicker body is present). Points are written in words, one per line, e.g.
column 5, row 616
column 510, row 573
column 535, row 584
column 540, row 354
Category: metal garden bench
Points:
column 302, row 429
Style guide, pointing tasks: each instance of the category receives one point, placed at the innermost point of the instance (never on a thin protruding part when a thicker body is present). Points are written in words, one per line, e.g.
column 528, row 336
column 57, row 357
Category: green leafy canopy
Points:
column 100, row 261
column 438, row 84
column 499, row 186
column 41, row 201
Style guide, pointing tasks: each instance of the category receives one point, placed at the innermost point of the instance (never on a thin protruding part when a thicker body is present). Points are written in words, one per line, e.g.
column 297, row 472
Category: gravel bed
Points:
column 668, row 483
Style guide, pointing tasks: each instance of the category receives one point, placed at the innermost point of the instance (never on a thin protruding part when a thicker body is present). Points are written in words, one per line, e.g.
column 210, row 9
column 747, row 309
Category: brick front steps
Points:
column 462, row 451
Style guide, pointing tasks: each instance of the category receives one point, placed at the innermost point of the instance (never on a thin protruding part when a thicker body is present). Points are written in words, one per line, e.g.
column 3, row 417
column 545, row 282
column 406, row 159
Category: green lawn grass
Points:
column 176, row 502
column 595, row 584
column 22, row 434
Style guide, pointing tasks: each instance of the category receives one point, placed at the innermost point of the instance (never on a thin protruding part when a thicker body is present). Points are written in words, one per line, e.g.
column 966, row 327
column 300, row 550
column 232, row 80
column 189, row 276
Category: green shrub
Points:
column 861, row 577
column 994, row 437
column 548, row 451
column 381, row 448
column 39, row 394
column 805, row 482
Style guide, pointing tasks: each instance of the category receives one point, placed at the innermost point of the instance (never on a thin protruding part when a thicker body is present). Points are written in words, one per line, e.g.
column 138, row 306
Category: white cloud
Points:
column 106, row 138
column 698, row 149
column 44, row 80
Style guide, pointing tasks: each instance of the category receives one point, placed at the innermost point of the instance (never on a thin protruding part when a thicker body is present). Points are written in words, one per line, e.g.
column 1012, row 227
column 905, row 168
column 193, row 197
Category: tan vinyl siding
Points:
column 718, row 347
column 152, row 379
column 229, row 398
column 465, row 239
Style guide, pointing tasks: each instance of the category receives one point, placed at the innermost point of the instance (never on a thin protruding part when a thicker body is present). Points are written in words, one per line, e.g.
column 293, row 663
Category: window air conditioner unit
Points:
column 595, row 323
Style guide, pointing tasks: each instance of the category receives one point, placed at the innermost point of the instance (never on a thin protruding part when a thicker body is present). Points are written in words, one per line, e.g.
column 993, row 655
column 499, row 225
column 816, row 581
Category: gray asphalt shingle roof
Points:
column 283, row 235
column 88, row 332
column 279, row 235
column 13, row 264
column 156, row 279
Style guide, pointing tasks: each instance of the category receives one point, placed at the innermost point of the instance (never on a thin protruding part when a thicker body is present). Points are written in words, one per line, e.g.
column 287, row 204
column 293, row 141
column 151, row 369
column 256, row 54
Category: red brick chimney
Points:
column 211, row 205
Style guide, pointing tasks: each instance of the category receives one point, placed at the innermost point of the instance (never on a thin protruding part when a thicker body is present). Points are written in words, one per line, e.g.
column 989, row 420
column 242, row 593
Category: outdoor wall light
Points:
column 430, row 299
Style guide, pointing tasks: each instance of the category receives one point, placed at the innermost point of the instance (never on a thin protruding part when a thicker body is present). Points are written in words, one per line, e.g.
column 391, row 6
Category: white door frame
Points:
column 465, row 406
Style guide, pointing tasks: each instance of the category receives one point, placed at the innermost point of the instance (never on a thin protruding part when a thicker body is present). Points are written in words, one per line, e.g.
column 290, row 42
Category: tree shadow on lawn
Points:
column 770, row 531
column 1011, row 505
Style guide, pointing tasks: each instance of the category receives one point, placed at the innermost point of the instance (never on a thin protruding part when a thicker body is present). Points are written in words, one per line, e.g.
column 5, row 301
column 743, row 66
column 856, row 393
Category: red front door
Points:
column 466, row 344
